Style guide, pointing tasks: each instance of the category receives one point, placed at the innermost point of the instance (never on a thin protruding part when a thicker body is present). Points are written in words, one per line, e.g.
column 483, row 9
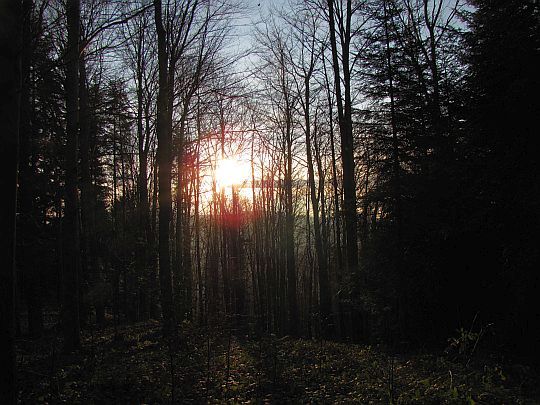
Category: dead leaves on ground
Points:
column 136, row 365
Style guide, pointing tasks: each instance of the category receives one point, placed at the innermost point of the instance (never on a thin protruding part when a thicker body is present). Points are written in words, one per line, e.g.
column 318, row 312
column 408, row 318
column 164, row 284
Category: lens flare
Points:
column 231, row 172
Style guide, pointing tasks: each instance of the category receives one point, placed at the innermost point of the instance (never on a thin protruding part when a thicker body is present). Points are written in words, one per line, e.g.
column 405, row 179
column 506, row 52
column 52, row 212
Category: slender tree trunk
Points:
column 332, row 276
column 200, row 307
column 27, row 221
column 116, row 265
column 396, row 171
column 310, row 287
column 186, row 253
column 347, row 145
column 290, row 278
column 89, row 268
column 289, row 238
column 337, row 197
column 183, row 242
column 258, row 290
column 345, row 127
column 10, row 83
column 324, row 288
column 182, row 221
column 238, row 287
column 142, row 187
column 72, row 264
column 164, row 160
column 152, row 228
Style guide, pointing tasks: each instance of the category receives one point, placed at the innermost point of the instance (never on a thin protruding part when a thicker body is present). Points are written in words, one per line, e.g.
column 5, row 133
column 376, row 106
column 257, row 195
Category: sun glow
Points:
column 232, row 172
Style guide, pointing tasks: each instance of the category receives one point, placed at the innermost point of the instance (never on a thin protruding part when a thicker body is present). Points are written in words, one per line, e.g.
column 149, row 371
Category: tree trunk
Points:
column 10, row 81
column 324, row 288
column 396, row 172
column 289, row 233
column 70, row 278
column 345, row 129
column 347, row 145
column 164, row 160
column 89, row 270
column 337, row 197
column 27, row 220
column 143, row 208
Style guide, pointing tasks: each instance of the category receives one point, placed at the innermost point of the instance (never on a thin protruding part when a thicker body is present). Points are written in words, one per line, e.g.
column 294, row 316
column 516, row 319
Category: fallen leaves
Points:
column 214, row 366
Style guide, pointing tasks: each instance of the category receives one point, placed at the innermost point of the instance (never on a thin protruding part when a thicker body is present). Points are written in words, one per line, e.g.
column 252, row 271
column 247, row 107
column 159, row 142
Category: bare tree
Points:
column 340, row 20
column 276, row 55
column 306, row 27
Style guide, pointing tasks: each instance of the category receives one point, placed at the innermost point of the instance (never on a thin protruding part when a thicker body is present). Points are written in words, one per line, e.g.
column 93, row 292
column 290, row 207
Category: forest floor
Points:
column 136, row 365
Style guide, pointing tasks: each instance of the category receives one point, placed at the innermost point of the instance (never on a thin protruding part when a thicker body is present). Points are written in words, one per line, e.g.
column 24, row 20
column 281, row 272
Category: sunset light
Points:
column 278, row 201
column 232, row 172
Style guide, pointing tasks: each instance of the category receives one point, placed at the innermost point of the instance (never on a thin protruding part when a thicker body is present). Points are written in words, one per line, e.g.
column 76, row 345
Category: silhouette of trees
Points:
column 389, row 183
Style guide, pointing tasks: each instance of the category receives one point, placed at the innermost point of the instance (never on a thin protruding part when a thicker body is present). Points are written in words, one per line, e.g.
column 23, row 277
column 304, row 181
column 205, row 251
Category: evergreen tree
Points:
column 504, row 57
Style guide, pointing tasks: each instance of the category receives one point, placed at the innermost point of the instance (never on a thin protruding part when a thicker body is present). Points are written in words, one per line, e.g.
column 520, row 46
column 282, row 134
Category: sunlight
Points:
column 231, row 172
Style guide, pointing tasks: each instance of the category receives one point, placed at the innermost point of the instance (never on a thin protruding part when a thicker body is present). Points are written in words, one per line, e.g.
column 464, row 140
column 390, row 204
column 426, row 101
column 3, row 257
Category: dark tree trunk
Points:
column 337, row 196
column 344, row 105
column 396, row 172
column 164, row 160
column 153, row 285
column 27, row 220
column 89, row 271
column 181, row 204
column 142, row 186
column 70, row 276
column 186, row 258
column 10, row 81
column 289, row 234
column 324, row 284
column 200, row 307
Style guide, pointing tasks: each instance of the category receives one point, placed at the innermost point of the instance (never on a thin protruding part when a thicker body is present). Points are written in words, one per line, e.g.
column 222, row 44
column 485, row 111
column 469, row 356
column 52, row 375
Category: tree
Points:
column 72, row 263
column 342, row 74
column 306, row 29
column 28, row 213
column 277, row 45
column 164, row 161
column 503, row 56
column 198, row 64
column 139, row 50
column 10, row 87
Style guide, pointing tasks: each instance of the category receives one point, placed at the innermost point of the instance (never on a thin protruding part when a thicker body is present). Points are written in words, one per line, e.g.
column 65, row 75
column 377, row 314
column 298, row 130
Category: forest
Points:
column 287, row 201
